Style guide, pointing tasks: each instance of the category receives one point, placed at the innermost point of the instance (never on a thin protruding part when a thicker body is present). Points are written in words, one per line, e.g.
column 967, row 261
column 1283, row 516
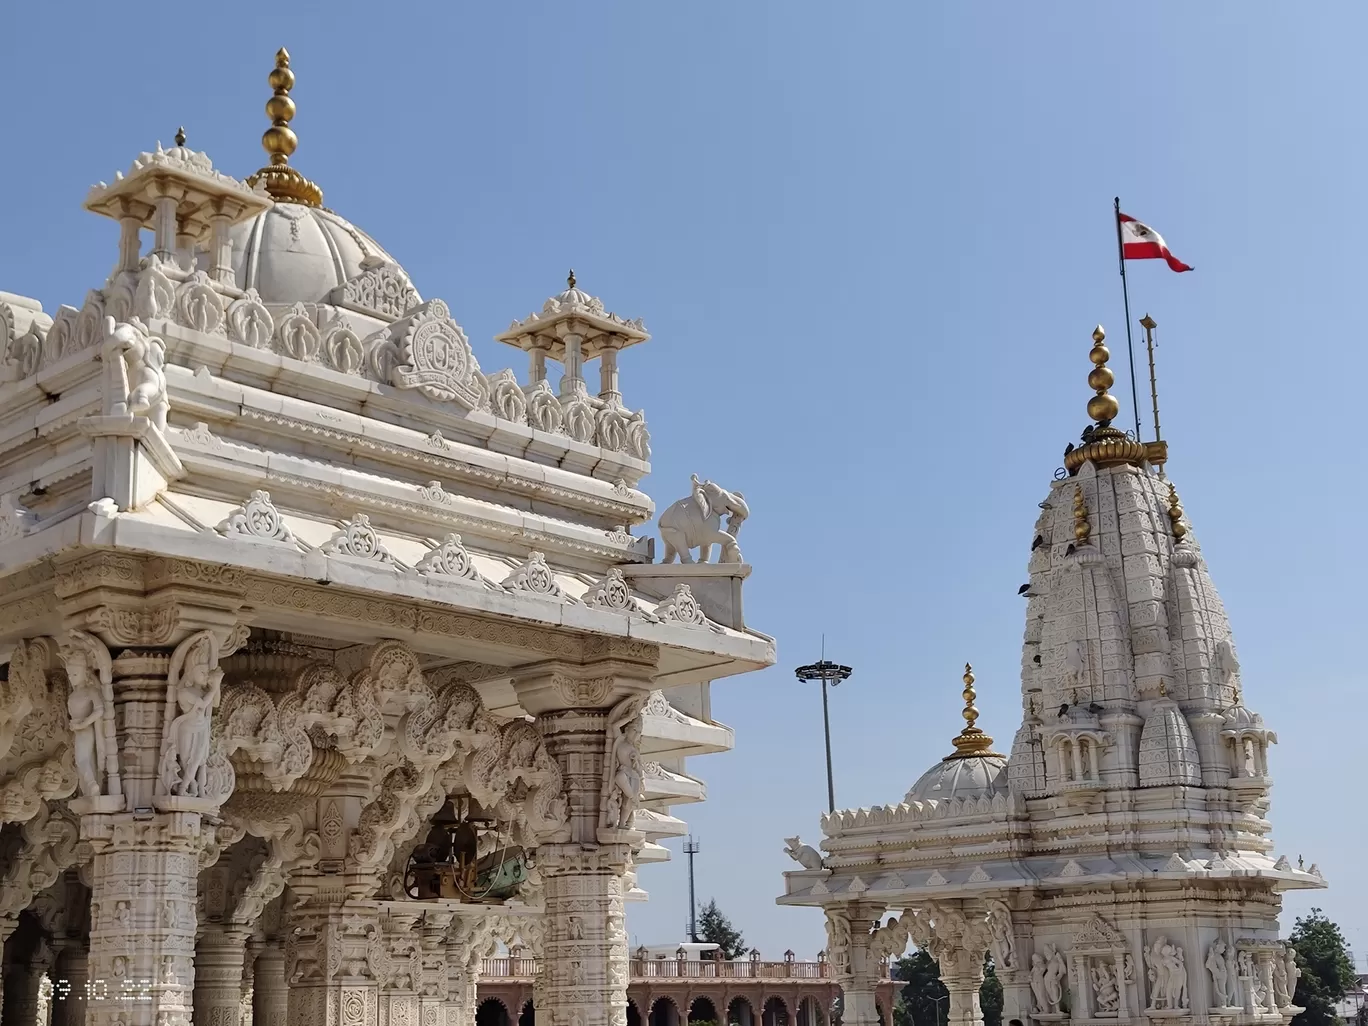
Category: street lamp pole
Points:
column 828, row 673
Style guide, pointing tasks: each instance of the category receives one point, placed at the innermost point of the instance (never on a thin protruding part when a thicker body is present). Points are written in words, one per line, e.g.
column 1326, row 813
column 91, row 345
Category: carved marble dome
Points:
column 294, row 253
column 980, row 776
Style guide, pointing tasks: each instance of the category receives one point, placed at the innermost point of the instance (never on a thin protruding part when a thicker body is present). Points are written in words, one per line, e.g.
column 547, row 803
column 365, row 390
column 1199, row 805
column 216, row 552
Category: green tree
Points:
column 990, row 994
column 716, row 928
column 1327, row 968
column 924, row 1001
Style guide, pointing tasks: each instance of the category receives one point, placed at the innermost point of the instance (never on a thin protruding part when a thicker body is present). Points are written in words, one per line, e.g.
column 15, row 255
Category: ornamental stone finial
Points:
column 283, row 183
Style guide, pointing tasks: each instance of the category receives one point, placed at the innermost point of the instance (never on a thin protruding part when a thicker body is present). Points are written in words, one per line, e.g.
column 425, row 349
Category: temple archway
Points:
column 633, row 1014
column 702, row 1011
column 740, row 1013
column 528, row 1015
column 664, row 1012
column 810, row 1013
column 492, row 1012
column 776, row 1013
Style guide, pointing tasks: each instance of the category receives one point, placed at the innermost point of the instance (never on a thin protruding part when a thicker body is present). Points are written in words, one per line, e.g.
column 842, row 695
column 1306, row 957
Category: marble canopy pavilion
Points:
column 330, row 661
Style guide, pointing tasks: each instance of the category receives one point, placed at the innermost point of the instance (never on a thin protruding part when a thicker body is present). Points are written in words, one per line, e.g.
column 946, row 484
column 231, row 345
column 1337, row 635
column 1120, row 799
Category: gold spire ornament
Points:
column 570, row 279
column 1175, row 514
column 971, row 742
column 1103, row 444
column 1082, row 528
column 283, row 183
column 180, row 136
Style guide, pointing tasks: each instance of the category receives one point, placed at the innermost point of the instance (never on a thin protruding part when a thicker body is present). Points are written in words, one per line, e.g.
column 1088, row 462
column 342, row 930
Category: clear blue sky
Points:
column 871, row 241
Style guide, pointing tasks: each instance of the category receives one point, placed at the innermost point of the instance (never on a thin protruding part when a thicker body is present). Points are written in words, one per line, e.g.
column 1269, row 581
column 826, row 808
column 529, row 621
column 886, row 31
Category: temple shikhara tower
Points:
column 1116, row 862
column 330, row 660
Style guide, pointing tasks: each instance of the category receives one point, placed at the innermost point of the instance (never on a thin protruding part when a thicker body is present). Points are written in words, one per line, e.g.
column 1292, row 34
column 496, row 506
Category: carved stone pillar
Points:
column 854, row 962
column 69, row 986
column 432, row 988
column 401, row 970
column 590, row 721
column 21, row 986
column 583, row 969
column 331, row 960
column 463, row 983
column 219, row 957
column 143, row 936
column 963, row 980
column 270, row 994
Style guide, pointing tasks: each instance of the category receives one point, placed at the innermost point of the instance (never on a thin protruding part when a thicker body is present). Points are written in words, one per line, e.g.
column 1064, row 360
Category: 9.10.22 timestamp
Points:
column 125, row 990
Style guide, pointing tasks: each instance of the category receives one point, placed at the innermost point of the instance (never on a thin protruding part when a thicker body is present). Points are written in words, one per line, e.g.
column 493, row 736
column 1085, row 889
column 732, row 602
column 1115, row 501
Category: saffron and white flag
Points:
column 1141, row 242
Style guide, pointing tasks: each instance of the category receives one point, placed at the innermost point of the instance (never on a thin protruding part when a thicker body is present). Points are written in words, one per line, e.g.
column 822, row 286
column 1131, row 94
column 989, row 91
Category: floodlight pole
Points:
column 828, row 673
column 691, row 848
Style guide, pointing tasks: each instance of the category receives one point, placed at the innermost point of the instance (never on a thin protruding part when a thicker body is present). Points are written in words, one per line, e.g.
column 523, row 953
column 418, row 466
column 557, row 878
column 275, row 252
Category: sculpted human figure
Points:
column 696, row 522
column 135, row 375
column 195, row 679
column 1038, row 971
column 625, row 776
column 1104, row 987
column 87, row 667
column 1055, row 971
column 1000, row 924
column 1292, row 970
column 1176, row 990
column 85, row 704
column 1218, row 966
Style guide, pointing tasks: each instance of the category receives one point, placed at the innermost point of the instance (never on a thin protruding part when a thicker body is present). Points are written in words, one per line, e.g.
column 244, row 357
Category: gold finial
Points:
column 1102, row 407
column 971, row 741
column 1175, row 513
column 570, row 279
column 1082, row 529
column 1103, row 444
column 283, row 183
column 180, row 136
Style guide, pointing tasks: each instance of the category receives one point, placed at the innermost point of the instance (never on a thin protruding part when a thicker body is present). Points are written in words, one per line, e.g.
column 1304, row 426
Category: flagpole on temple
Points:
column 1125, row 293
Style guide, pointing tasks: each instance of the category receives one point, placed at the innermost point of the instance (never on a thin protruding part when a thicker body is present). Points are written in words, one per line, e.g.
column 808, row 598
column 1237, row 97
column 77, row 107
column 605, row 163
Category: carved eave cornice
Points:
column 314, row 489
column 257, row 379
column 216, row 579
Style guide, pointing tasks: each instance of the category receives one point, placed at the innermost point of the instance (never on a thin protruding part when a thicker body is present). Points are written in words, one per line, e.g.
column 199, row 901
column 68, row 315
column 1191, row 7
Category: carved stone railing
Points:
column 510, row 968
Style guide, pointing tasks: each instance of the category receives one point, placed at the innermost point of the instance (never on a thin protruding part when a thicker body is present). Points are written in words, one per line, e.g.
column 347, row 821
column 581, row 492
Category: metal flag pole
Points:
column 1125, row 293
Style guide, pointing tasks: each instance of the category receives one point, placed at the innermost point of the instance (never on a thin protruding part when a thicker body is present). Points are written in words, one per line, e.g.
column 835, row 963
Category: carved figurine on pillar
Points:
column 90, row 704
column 193, row 685
column 622, row 777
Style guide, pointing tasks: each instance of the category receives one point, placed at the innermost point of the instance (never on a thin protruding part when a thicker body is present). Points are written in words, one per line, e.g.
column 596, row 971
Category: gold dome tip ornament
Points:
column 570, row 279
column 1175, row 513
column 180, row 136
column 971, row 742
column 1102, row 443
column 283, row 183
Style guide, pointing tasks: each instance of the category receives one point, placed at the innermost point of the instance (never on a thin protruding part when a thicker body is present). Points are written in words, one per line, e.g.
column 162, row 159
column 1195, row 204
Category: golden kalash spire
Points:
column 971, row 741
column 283, row 183
column 1103, row 444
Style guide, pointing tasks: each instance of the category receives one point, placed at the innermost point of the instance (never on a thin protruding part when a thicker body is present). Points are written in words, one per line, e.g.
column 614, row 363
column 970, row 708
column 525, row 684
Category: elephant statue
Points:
column 696, row 523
